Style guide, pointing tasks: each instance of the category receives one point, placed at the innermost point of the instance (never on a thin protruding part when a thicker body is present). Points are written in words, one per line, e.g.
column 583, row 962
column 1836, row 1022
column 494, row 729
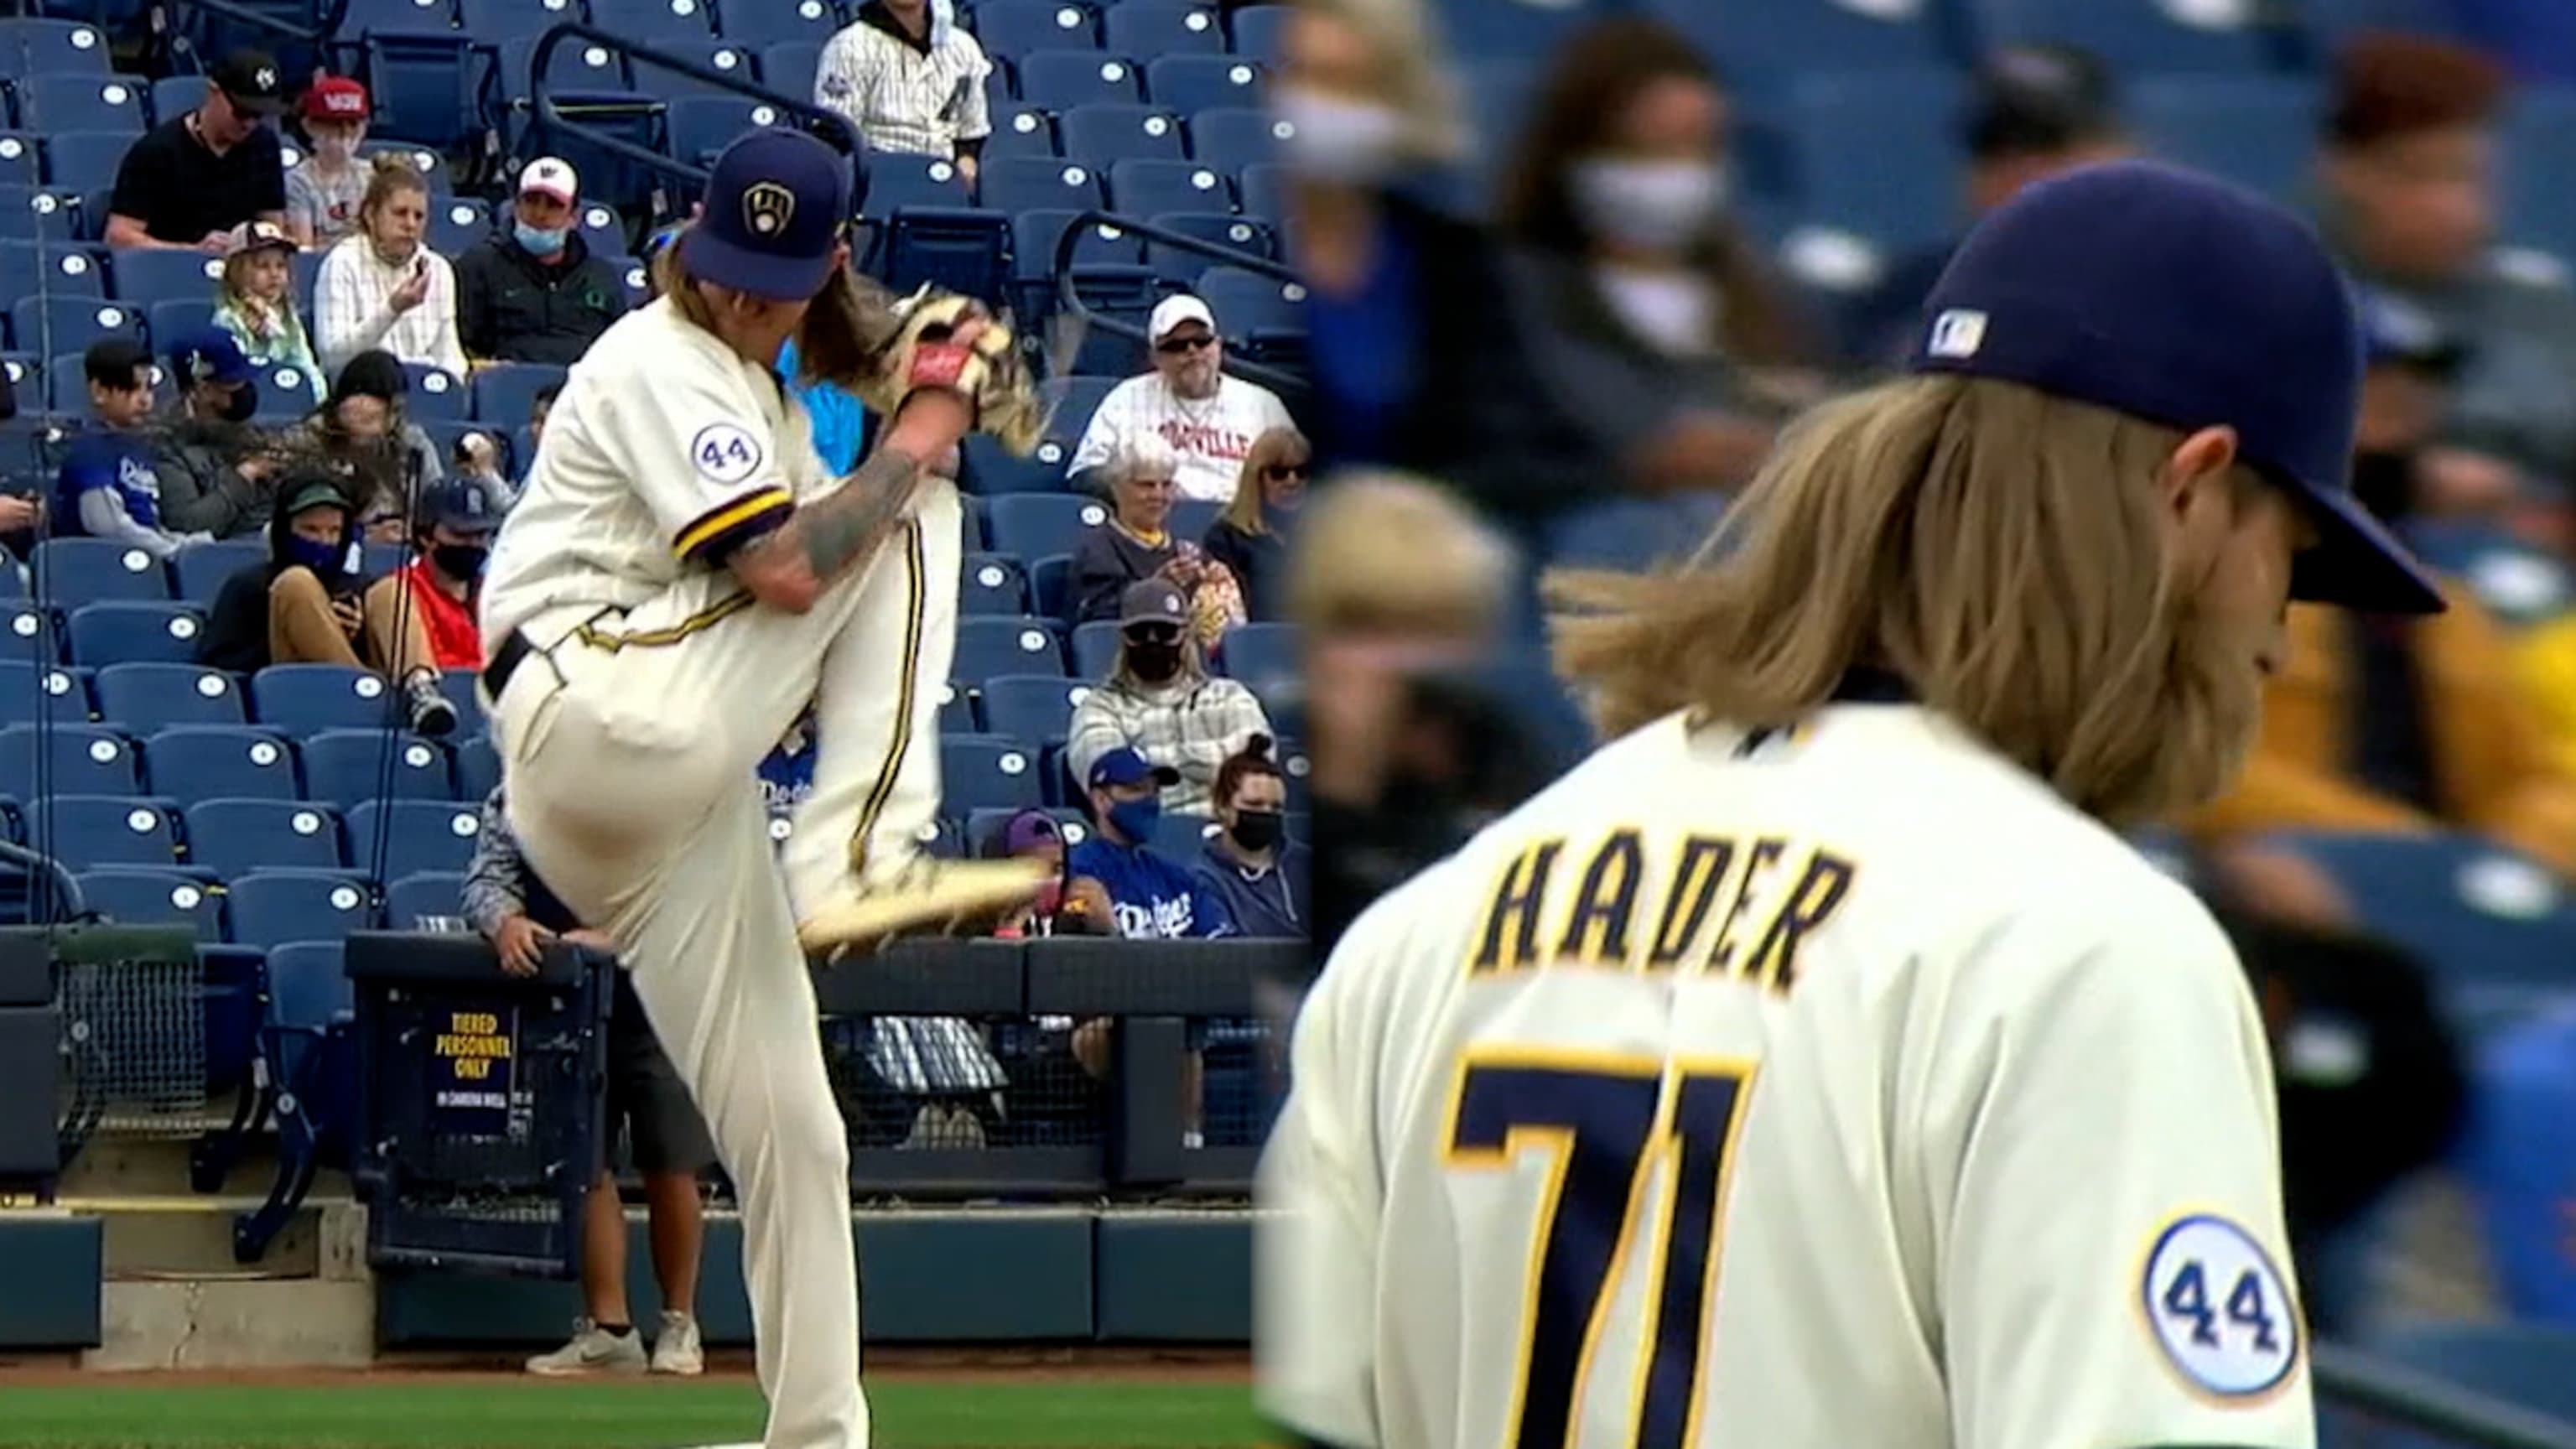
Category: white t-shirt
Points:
column 1952, row 1129
column 1212, row 435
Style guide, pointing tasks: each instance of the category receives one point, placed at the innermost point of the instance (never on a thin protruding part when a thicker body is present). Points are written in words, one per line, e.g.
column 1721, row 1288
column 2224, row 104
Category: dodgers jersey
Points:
column 1833, row 1088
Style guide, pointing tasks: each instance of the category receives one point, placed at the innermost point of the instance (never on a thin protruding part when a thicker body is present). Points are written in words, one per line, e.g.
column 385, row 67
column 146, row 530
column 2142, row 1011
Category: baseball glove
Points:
column 917, row 352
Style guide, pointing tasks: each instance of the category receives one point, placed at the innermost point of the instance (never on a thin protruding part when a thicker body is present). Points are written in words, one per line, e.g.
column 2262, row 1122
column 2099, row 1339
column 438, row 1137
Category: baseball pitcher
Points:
column 1814, row 1067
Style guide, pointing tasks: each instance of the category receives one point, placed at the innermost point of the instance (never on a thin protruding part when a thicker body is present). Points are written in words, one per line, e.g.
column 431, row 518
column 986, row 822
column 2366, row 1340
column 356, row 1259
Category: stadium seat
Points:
column 173, row 96
column 1035, row 234
column 2518, row 583
column 28, row 691
column 1077, row 399
column 313, row 1061
column 506, row 394
column 1181, row 269
column 991, row 469
column 992, row 584
column 22, row 160
column 80, row 161
column 1033, row 525
column 987, row 647
column 1162, row 27
column 270, row 908
column 1258, row 30
column 702, row 125
column 458, row 223
column 959, row 249
column 2147, row 36
column 574, row 66
column 437, row 396
column 236, row 836
column 25, row 272
column 1182, row 837
column 29, row 634
column 68, row 325
column 144, row 896
column 1025, row 183
column 1245, row 302
column 193, row 763
column 985, row 826
column 425, row 900
column 53, row 47
column 2257, row 131
column 283, row 391
column 1758, row 42
column 788, row 66
column 88, row 831
column 1265, row 657
column 896, row 183
column 662, row 23
column 1191, row 518
column 143, row 278
column 78, row 101
column 1190, row 84
column 51, row 215
column 1866, row 164
column 417, row 835
column 1051, row 584
column 1264, row 190
column 1630, row 534
column 1097, row 136
column 424, row 86
column 2516, row 1163
column 478, row 769
column 1018, row 28
column 1059, row 80
column 459, row 685
column 987, row 773
column 40, row 760
column 1095, row 649
column 774, row 22
column 1021, row 131
column 345, row 766
column 302, row 698
column 736, row 61
column 178, row 317
column 71, row 572
column 122, row 633
column 1032, row 708
column 1230, row 138
column 362, row 18
column 957, row 714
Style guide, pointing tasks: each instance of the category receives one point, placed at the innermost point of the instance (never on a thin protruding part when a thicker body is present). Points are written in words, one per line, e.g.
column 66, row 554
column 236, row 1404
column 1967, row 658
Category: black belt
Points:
column 514, row 651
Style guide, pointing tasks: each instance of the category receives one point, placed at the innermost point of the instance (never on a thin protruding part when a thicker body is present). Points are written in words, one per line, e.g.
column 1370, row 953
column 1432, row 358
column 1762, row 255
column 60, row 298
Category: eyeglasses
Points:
column 1153, row 633
column 1175, row 346
column 1282, row 472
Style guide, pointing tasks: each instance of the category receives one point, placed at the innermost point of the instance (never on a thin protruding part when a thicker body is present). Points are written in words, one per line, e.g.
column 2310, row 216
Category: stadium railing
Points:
column 1086, row 317
column 557, row 111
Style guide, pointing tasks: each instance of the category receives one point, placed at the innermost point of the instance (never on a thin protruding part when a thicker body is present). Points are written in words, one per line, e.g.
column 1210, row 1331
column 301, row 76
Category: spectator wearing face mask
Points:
column 453, row 538
column 1649, row 310
column 535, row 293
column 109, row 485
column 1152, row 897
column 1206, row 418
column 324, row 190
column 1251, row 864
column 214, row 472
column 255, row 302
column 1160, row 702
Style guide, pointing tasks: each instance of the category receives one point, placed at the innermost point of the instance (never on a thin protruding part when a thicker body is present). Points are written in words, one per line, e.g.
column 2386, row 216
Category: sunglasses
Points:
column 1282, row 472
column 1174, row 347
column 1154, row 634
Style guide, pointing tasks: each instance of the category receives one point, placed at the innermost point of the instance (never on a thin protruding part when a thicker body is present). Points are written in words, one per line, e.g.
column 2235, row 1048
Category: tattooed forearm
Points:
column 838, row 532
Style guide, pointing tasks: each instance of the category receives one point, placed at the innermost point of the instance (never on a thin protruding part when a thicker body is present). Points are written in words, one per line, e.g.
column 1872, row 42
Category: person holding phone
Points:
column 382, row 288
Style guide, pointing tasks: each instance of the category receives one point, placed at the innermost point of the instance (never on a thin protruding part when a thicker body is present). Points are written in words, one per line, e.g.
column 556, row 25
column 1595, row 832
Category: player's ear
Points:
column 2199, row 468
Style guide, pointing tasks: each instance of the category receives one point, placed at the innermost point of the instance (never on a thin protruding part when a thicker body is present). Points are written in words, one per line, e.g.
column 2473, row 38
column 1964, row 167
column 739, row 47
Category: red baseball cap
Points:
column 336, row 98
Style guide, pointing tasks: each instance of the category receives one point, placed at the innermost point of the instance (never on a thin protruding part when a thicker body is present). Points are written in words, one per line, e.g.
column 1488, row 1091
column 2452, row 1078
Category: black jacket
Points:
column 510, row 307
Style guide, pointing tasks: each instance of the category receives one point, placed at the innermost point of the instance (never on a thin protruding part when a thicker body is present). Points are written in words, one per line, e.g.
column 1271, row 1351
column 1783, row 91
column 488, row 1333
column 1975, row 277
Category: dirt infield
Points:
column 896, row 1365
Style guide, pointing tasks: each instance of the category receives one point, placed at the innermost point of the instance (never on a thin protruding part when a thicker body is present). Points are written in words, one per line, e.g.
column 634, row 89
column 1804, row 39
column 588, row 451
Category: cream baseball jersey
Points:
column 1836, row 1087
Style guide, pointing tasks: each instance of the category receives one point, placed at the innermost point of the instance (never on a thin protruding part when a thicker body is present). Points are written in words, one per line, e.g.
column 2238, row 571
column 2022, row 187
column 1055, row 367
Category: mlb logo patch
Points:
column 1958, row 332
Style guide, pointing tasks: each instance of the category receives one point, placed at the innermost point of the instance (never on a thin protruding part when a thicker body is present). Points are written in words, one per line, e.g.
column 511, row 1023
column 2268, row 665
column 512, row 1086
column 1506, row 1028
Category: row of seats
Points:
column 189, row 763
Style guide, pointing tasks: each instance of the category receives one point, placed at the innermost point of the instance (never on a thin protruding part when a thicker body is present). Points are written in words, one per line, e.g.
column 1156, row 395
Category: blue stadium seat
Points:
column 29, row 634
column 497, row 20
column 960, row 249
column 68, row 325
column 1230, row 138
column 1483, row 29
column 1265, row 191
column 991, row 469
column 302, row 698
column 1758, row 42
column 992, row 584
column 898, row 182
column 1180, row 270
column 702, row 125
column 1866, row 162
column 1265, row 657
column 79, row 161
column 1018, row 28
column 28, row 691
column 71, row 572
column 146, row 278
column 1099, row 135
column 1034, row 235
column 418, row 835
column 725, row 59
column 126, row 633
column 1257, row 32
column 458, row 223
column 478, row 768
column 2540, row 171
column 459, row 687
column 80, row 101
column 2520, row 584
column 88, row 831
column 53, row 47
column 174, row 96
column 1191, row 518
column 507, row 394
column 788, row 66
column 573, row 66
column 1026, row 183
column 190, row 763
column 661, row 23
column 22, row 159
column 1051, row 582
column 236, row 836
column 436, row 395
column 65, row 760
column 2257, row 131
column 1034, row 525
column 1245, row 302
column 178, row 318
column 1163, row 27
column 987, row 773
column 1190, row 84
column 144, row 896
column 1095, row 649
column 773, row 22
column 988, row 647
column 307, row 1041
column 24, row 272
column 2143, row 34
column 397, row 17
column 426, row 899
column 1182, row 837
column 1021, row 131
column 1059, row 80
column 146, row 697
column 2516, row 1164
column 424, row 86
column 345, row 766
column 283, row 391
column 1077, row 398
column 957, row 714
column 51, row 215
column 1032, row 708
column 270, row 908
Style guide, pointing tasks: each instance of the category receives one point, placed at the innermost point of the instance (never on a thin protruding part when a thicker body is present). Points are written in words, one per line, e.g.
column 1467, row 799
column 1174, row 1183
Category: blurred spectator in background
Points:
column 1251, row 864
column 214, row 469
column 536, row 293
column 1152, row 897
column 2405, row 393
column 840, row 419
column 363, row 431
column 1415, row 366
column 382, row 288
column 326, row 188
column 187, row 182
column 1399, row 587
column 647, row 1102
column 255, row 302
column 108, row 486
column 2409, row 176
column 1251, row 537
column 1650, row 313
column 2038, row 110
column 1208, row 419
column 910, row 81
column 1161, row 703
column 308, row 604
column 452, row 537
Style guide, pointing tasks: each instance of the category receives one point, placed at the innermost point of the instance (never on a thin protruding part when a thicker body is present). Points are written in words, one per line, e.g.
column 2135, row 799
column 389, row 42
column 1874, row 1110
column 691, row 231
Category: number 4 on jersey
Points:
column 1607, row 1121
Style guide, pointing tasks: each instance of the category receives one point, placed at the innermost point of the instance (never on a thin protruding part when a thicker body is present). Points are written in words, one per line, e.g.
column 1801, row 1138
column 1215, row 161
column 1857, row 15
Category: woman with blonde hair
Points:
column 381, row 288
column 1831, row 953
column 1251, row 536
column 255, row 303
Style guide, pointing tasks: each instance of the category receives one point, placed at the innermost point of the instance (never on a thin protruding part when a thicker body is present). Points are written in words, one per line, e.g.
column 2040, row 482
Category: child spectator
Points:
column 1251, row 537
column 255, row 302
column 213, row 469
column 108, row 487
column 1161, row 703
column 382, row 288
column 1252, row 865
column 326, row 188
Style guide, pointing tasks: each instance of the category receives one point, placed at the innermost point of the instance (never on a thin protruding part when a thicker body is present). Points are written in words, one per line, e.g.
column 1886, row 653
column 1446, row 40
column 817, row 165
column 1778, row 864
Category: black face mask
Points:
column 2385, row 483
column 1154, row 663
column 1258, row 830
column 460, row 560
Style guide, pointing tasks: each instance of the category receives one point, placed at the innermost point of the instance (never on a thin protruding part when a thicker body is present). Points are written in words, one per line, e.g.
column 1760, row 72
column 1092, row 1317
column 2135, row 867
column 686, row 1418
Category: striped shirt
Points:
column 353, row 311
column 906, row 97
column 1212, row 435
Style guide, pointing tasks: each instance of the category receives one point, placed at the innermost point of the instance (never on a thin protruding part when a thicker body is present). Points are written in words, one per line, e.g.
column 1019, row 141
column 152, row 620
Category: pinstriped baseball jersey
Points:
column 906, row 98
column 1838, row 1088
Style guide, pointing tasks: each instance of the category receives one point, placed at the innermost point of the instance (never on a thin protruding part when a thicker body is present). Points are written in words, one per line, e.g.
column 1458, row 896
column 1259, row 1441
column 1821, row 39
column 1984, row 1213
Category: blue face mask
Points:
column 325, row 559
column 1136, row 819
column 541, row 241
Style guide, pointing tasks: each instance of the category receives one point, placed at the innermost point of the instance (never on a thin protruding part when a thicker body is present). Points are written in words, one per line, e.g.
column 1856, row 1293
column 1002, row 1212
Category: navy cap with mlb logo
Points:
column 2179, row 299
column 777, row 206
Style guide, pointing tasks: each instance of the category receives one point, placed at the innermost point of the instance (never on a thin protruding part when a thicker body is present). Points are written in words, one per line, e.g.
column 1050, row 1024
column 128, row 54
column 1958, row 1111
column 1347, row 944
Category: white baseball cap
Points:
column 551, row 176
column 1172, row 311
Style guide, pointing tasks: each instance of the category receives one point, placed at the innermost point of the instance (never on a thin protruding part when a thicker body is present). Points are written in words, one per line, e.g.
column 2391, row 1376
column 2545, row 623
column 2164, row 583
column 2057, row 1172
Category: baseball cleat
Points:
column 933, row 896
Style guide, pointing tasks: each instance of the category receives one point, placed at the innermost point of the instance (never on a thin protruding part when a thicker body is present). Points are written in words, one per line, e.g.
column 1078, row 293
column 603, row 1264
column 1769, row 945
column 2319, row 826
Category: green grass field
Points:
column 421, row 1413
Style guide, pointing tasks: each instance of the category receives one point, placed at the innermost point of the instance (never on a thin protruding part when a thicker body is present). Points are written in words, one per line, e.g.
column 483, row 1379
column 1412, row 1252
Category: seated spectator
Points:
column 308, row 605
column 255, row 302
column 478, row 454
column 910, row 81
column 453, row 538
column 192, row 179
column 1645, row 303
column 382, row 288
column 363, row 432
column 326, row 188
column 108, row 486
column 1251, row 864
column 1075, row 906
column 214, row 469
column 1133, row 543
column 840, row 419
column 1161, row 703
column 1251, row 537
column 535, row 293
column 1208, row 418
column 1151, row 896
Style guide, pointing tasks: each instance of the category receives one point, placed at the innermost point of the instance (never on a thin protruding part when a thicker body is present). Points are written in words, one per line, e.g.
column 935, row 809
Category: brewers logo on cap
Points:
column 768, row 208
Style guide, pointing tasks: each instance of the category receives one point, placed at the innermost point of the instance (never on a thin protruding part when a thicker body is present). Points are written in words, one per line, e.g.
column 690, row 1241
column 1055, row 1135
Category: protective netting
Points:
column 134, row 1035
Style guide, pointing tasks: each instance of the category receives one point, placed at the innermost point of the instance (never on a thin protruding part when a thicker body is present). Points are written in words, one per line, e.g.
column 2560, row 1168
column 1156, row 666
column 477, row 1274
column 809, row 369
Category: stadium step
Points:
column 160, row 1237
column 221, row 1323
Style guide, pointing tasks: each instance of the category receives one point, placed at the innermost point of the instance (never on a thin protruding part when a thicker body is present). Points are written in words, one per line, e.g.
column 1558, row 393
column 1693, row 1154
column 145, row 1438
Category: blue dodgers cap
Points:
column 776, row 207
column 1123, row 766
column 209, row 355
column 2179, row 299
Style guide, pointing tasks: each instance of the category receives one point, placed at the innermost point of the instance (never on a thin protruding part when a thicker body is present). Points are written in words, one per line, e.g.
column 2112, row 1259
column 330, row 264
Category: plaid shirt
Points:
column 1192, row 726
column 906, row 97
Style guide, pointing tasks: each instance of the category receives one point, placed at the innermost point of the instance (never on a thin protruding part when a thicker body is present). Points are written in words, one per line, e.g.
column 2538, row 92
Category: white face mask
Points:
column 1657, row 206
column 1333, row 138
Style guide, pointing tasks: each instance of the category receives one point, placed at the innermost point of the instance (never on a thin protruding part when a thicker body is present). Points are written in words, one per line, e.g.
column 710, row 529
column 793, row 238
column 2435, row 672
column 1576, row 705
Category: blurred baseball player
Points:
column 681, row 578
column 1814, row 1067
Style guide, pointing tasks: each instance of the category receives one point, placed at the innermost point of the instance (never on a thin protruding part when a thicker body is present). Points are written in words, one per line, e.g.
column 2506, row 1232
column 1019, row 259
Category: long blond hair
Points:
column 1414, row 57
column 1246, row 511
column 1998, row 548
column 848, row 321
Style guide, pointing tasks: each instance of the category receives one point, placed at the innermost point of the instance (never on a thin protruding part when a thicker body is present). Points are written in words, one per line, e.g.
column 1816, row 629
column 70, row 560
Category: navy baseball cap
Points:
column 461, row 504
column 776, row 206
column 209, row 355
column 1123, row 766
column 2179, row 299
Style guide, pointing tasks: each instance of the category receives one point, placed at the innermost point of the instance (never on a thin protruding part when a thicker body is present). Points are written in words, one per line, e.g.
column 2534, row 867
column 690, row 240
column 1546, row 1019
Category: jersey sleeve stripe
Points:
column 732, row 521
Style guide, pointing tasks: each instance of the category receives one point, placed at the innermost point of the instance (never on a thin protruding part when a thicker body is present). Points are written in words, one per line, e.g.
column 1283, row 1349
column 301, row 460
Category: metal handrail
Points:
column 68, row 902
column 834, row 127
column 318, row 34
column 2416, row 1400
column 1069, row 297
